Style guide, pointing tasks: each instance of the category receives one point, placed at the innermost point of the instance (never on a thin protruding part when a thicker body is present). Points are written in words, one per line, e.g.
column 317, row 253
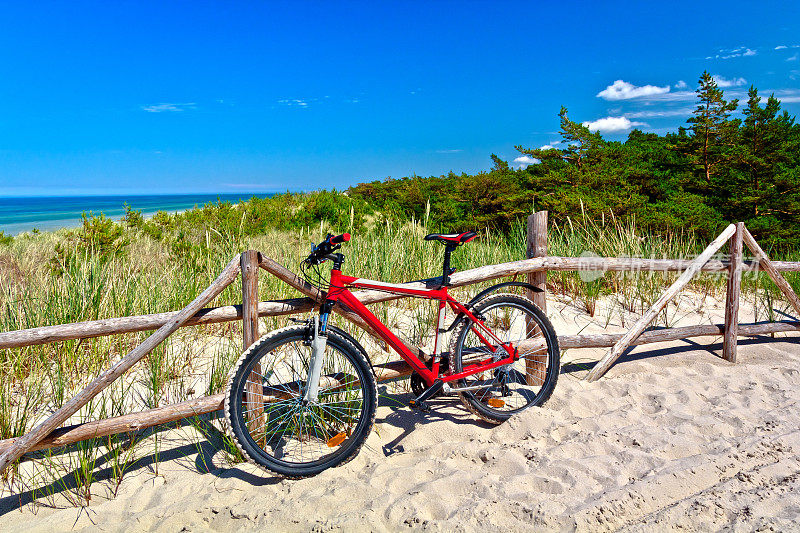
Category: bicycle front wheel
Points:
column 276, row 428
column 509, row 389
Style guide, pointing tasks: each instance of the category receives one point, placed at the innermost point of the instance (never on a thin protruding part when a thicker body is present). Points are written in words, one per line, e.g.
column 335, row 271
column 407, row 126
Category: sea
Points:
column 47, row 213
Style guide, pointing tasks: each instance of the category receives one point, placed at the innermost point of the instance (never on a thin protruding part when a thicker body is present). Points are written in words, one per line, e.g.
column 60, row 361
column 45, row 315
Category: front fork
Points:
column 319, row 339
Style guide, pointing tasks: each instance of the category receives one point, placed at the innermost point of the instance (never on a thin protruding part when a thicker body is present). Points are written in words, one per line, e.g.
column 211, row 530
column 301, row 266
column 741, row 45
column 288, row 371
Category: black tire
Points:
column 525, row 383
column 289, row 436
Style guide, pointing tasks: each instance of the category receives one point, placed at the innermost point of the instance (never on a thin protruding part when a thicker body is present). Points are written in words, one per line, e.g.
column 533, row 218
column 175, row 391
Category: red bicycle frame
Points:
column 339, row 292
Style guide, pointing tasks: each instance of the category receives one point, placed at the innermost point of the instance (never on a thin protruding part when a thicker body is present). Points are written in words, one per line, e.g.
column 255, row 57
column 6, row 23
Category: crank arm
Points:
column 447, row 389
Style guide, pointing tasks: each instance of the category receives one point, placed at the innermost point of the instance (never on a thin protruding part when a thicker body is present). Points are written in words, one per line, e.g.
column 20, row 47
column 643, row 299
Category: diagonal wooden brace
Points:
column 616, row 351
column 772, row 272
column 32, row 438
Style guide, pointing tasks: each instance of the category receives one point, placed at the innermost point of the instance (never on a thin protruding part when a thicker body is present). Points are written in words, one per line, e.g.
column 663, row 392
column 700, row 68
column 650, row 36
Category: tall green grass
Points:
column 107, row 270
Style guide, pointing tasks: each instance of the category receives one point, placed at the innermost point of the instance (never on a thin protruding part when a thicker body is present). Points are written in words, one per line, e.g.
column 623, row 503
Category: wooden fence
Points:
column 49, row 434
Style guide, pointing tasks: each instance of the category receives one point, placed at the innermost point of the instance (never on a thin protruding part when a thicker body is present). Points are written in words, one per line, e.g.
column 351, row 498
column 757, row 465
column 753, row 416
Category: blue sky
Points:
column 167, row 97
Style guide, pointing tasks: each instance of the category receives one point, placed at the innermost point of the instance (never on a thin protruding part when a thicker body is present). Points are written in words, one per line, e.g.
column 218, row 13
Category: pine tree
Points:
column 580, row 144
column 760, row 147
column 713, row 132
column 498, row 165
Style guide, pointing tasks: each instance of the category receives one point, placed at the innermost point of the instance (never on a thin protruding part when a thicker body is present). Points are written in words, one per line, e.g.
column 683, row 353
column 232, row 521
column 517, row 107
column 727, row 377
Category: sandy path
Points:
column 672, row 438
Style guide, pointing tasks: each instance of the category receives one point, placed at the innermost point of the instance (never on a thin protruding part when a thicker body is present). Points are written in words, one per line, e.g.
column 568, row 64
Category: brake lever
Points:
column 319, row 260
column 327, row 257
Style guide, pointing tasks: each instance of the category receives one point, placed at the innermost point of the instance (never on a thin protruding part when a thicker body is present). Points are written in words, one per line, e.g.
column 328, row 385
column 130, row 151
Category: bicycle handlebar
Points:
column 326, row 247
column 344, row 237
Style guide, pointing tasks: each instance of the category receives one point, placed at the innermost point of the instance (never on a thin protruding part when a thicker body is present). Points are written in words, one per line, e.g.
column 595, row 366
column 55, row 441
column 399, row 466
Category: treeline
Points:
column 716, row 169
column 719, row 168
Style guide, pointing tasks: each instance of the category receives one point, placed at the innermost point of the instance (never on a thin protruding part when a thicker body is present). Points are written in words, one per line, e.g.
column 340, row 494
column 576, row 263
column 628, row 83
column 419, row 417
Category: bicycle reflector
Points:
column 336, row 439
column 495, row 402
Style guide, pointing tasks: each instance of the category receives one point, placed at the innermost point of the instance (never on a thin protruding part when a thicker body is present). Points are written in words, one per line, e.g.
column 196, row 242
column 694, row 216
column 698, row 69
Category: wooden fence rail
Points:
column 48, row 435
column 291, row 306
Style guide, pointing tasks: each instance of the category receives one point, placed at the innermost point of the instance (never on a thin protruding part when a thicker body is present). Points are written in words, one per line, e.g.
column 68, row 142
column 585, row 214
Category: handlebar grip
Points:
column 344, row 237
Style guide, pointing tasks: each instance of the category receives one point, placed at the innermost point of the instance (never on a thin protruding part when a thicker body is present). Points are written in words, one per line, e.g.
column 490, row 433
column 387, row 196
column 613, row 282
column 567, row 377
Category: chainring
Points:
column 418, row 385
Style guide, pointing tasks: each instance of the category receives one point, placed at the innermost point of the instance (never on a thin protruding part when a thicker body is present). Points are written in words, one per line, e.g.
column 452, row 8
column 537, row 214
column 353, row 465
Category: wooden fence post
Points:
column 250, row 297
column 537, row 247
column 254, row 390
column 730, row 339
column 621, row 345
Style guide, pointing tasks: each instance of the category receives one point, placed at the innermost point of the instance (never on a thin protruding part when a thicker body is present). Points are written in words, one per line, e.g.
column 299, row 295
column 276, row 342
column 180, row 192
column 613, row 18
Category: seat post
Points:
column 448, row 249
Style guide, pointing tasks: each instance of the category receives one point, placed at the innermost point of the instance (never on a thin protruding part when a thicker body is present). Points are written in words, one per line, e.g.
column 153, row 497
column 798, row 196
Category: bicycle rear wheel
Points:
column 276, row 428
column 509, row 389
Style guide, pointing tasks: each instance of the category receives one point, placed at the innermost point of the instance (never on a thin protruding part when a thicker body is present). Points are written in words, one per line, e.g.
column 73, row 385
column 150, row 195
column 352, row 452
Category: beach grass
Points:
column 107, row 269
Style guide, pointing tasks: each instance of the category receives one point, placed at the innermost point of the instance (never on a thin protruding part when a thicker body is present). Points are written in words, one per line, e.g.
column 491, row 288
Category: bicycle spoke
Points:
column 514, row 385
column 284, row 427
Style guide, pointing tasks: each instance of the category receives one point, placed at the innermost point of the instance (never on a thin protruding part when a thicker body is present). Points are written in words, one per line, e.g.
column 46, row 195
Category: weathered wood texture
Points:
column 385, row 372
column 163, row 415
column 249, row 266
column 253, row 390
column 772, row 271
column 131, row 324
column 126, row 423
column 637, row 329
column 25, row 443
column 605, row 340
column 537, row 247
column 194, row 315
column 729, row 344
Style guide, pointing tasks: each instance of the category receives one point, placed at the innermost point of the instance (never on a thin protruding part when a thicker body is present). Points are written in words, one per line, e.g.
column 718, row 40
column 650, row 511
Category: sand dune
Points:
column 673, row 438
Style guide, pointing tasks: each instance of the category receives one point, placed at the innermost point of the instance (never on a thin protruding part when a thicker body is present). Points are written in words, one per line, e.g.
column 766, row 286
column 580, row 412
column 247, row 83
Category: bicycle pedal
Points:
column 420, row 406
column 420, row 401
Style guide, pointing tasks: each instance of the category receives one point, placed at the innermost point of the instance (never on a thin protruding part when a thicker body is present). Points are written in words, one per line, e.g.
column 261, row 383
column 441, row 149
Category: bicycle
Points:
column 303, row 398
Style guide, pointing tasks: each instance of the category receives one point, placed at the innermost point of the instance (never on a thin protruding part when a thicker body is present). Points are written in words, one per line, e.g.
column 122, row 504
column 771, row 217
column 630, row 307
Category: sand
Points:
column 673, row 437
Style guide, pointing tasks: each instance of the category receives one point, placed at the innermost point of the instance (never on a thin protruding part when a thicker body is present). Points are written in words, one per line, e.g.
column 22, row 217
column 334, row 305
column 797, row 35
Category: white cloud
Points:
column 525, row 160
column 787, row 95
column 165, row 107
column 724, row 82
column 781, row 47
column 672, row 96
column 793, row 58
column 550, row 146
column 680, row 85
column 612, row 124
column 453, row 151
column 741, row 51
column 293, row 102
column 622, row 90
column 682, row 112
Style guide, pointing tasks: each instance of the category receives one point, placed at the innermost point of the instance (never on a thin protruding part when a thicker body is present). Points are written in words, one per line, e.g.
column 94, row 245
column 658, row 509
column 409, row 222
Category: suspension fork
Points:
column 319, row 339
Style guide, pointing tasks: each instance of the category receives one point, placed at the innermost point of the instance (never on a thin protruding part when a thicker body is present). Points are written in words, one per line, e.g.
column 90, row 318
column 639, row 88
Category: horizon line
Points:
column 121, row 195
